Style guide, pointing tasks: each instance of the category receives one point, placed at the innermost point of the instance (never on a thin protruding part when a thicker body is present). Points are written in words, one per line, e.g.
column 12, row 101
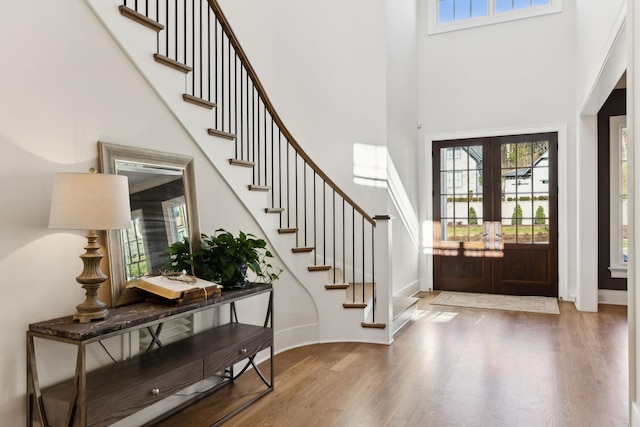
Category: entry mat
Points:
column 546, row 305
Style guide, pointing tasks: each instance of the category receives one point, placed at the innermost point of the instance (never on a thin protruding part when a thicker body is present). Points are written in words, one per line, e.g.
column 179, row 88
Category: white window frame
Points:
column 617, row 266
column 433, row 27
column 171, row 226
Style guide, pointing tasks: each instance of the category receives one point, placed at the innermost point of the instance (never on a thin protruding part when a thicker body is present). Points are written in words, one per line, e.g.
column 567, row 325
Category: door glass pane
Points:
column 525, row 192
column 461, row 193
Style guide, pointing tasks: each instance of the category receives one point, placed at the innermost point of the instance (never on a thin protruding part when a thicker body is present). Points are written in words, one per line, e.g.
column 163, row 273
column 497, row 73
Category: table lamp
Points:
column 90, row 201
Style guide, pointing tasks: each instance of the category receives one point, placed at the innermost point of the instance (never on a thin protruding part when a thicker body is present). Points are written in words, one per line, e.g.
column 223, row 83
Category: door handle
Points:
column 499, row 234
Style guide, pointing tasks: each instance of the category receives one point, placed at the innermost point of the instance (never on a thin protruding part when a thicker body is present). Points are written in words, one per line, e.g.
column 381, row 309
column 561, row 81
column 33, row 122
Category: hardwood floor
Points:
column 449, row 367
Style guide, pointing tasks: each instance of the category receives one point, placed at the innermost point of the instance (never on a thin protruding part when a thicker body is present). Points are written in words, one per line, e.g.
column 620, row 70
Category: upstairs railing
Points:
column 327, row 223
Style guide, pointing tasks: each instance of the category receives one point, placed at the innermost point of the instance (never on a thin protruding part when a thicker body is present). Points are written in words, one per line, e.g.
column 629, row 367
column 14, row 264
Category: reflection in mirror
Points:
column 163, row 211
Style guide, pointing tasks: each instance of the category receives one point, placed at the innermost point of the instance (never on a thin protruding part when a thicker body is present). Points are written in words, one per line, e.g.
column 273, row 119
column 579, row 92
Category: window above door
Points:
column 452, row 15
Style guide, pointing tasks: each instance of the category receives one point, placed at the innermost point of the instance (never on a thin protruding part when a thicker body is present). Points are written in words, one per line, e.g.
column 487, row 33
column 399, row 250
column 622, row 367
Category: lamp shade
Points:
column 90, row 201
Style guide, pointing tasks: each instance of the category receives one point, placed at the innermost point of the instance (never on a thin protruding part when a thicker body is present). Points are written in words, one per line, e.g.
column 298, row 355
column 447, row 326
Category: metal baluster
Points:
column 193, row 44
column 363, row 261
column 304, row 200
column 228, row 128
column 157, row 20
column 166, row 48
column 209, row 71
column 296, row 193
column 344, row 245
column 201, row 55
column 333, row 215
column 253, row 134
column 373, row 273
column 353, row 252
column 266, row 162
column 235, row 100
column 240, row 125
column 220, row 109
column 215, row 68
column 273, row 184
column 184, row 18
column 324, row 222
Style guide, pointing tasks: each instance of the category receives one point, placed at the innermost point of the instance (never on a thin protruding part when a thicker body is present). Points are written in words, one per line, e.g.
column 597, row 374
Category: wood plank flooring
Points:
column 449, row 367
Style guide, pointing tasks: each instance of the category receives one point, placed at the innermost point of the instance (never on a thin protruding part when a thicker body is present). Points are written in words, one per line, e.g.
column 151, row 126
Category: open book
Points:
column 165, row 287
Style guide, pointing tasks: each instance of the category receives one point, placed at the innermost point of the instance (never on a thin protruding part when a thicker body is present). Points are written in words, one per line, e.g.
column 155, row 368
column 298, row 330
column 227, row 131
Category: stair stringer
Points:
column 334, row 322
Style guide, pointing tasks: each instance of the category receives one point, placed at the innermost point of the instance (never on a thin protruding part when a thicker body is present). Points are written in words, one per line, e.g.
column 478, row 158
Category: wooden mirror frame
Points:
column 108, row 155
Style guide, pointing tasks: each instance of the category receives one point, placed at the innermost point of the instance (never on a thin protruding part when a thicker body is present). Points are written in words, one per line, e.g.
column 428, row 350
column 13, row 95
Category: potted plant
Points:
column 224, row 258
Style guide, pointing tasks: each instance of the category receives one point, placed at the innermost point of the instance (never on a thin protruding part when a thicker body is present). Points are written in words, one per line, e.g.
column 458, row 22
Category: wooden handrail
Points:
column 226, row 27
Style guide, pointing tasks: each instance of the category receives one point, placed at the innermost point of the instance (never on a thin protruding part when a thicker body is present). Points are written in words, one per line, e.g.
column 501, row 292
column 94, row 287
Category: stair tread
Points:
column 273, row 210
column 287, row 230
column 337, row 286
column 373, row 325
column 319, row 267
column 354, row 305
column 301, row 249
column 140, row 18
column 176, row 65
column 255, row 187
column 242, row 163
column 222, row 134
column 198, row 101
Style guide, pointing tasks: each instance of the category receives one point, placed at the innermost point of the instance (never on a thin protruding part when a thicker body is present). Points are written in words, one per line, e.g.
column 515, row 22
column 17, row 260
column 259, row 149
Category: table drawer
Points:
column 222, row 358
column 146, row 391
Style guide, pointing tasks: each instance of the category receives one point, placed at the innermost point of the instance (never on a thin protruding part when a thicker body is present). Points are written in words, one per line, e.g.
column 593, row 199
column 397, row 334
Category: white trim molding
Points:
column 608, row 296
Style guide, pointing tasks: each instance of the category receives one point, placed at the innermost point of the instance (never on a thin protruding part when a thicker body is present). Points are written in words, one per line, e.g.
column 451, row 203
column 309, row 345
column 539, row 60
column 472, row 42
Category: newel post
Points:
column 383, row 273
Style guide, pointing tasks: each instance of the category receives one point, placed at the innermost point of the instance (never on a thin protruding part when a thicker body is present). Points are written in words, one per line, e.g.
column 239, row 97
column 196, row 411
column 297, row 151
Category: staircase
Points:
column 190, row 56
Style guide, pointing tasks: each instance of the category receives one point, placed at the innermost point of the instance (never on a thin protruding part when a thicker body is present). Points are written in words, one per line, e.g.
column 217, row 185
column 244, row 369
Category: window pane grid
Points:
column 135, row 257
column 525, row 192
column 482, row 12
column 461, row 193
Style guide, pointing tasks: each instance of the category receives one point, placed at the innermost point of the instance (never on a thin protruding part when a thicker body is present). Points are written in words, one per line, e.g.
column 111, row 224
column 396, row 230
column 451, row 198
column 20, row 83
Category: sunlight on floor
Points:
column 434, row 316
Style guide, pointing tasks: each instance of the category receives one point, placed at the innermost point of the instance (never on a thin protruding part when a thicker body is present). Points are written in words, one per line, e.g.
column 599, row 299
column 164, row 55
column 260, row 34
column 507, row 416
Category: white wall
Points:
column 402, row 136
column 402, row 97
column 70, row 86
column 502, row 79
column 323, row 65
column 596, row 25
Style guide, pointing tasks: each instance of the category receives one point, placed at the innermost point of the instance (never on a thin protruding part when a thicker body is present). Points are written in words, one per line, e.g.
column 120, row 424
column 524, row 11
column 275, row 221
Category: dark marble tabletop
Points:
column 133, row 315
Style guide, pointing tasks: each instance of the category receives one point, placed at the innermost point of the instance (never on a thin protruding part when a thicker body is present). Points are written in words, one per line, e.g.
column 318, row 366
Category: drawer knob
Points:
column 243, row 351
column 155, row 391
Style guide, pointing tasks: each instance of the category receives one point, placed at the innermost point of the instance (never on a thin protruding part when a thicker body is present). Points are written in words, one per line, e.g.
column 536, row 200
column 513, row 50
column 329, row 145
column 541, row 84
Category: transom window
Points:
column 450, row 15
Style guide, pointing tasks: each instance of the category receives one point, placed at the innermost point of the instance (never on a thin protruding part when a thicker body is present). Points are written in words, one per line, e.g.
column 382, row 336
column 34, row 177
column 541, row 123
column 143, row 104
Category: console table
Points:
column 103, row 396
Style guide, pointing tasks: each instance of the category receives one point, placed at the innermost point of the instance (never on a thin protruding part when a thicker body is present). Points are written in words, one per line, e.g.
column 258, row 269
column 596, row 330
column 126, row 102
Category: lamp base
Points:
column 87, row 317
column 91, row 279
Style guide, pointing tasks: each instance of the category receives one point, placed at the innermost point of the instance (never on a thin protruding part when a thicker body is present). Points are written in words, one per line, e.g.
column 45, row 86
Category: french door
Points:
column 495, row 215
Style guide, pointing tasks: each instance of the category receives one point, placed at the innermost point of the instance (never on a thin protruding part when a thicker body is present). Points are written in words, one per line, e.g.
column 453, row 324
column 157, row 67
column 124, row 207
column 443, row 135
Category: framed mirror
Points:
column 163, row 211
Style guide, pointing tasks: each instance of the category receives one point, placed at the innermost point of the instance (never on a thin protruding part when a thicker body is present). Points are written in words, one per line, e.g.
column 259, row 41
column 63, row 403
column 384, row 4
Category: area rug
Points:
column 498, row 302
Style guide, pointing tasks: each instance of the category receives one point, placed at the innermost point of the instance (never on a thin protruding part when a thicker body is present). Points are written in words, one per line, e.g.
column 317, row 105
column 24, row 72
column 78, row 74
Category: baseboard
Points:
column 608, row 296
column 635, row 415
column 403, row 318
column 299, row 336
column 408, row 290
